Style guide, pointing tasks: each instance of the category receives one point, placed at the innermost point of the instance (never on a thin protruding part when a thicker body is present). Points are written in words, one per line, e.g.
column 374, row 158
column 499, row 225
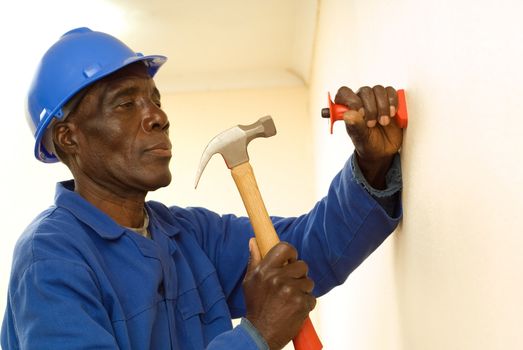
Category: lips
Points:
column 162, row 149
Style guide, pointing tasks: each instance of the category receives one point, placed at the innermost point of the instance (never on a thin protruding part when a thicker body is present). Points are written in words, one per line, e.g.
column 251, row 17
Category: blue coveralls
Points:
column 81, row 281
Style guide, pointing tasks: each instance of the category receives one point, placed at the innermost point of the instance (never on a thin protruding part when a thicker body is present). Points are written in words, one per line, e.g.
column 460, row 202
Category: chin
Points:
column 161, row 181
column 154, row 179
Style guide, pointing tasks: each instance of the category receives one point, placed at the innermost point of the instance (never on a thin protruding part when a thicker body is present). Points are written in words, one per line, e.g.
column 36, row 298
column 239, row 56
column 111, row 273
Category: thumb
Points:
column 255, row 257
column 355, row 118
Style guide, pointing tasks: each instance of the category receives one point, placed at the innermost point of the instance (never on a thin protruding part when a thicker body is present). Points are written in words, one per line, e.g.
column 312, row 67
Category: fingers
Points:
column 282, row 253
column 297, row 293
column 255, row 257
column 369, row 105
column 297, row 269
column 354, row 117
column 382, row 105
column 282, row 261
column 393, row 100
column 347, row 97
column 278, row 294
column 375, row 105
column 311, row 301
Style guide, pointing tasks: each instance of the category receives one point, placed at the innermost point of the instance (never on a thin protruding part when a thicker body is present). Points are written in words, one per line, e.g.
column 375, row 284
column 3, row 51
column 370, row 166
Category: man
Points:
column 103, row 269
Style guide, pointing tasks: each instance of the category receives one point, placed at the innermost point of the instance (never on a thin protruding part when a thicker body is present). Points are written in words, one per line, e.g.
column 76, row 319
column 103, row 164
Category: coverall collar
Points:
column 84, row 211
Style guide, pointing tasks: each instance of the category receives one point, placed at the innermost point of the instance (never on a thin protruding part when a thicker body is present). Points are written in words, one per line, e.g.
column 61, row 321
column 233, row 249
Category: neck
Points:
column 124, row 207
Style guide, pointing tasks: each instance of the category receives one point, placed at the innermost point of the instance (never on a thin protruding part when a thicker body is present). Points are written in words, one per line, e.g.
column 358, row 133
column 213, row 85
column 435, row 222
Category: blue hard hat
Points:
column 78, row 59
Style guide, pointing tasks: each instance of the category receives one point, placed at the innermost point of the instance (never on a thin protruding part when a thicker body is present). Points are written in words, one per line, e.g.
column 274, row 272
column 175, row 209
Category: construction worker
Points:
column 104, row 269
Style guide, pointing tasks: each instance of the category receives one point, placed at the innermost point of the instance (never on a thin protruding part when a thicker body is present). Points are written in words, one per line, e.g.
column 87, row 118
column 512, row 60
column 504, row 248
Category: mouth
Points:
column 162, row 149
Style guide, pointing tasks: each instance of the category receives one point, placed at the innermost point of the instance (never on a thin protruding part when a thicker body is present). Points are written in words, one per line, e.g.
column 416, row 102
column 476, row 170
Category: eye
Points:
column 126, row 104
column 157, row 102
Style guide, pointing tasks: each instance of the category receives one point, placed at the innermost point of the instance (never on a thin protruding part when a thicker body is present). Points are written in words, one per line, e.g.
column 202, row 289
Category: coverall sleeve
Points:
column 341, row 230
column 63, row 309
column 242, row 337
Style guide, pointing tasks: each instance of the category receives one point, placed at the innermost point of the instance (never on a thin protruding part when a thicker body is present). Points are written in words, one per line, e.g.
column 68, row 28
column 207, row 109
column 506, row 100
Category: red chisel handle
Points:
column 335, row 111
column 307, row 339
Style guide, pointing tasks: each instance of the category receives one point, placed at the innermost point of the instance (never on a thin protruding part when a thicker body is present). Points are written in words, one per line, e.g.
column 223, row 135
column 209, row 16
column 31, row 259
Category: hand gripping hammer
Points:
column 232, row 145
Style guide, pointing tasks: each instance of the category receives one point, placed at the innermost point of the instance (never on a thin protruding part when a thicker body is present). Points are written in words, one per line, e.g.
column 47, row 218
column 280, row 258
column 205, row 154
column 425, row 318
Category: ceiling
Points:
column 211, row 44
column 222, row 44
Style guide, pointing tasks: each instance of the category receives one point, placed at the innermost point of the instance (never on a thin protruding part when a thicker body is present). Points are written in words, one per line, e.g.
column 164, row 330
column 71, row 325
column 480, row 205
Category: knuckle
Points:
column 344, row 90
column 302, row 301
column 286, row 290
column 344, row 95
column 390, row 88
column 258, row 275
column 302, row 265
column 392, row 94
column 290, row 249
column 310, row 285
column 277, row 282
column 364, row 90
column 312, row 303
column 258, row 272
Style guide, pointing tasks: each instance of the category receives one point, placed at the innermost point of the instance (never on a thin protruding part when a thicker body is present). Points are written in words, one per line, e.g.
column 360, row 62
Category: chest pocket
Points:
column 189, row 327
column 204, row 313
column 189, row 304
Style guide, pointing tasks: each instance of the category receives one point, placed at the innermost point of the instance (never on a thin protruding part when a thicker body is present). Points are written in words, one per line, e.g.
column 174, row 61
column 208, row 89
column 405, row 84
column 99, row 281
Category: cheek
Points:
column 109, row 145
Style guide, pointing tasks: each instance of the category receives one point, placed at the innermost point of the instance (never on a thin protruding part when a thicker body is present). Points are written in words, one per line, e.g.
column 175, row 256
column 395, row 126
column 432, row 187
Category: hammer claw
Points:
column 232, row 144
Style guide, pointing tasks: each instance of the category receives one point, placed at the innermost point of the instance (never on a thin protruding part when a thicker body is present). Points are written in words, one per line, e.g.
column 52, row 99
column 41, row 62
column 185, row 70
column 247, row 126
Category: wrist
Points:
column 255, row 334
column 375, row 170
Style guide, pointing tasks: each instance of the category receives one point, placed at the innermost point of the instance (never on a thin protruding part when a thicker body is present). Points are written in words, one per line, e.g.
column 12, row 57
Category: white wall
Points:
column 449, row 278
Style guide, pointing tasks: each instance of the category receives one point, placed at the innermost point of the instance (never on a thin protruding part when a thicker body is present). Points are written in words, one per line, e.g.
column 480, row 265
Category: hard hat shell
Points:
column 78, row 59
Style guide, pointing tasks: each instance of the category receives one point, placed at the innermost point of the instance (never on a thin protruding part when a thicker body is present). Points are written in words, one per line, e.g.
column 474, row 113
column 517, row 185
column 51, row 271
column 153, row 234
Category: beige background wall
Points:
column 282, row 163
column 450, row 277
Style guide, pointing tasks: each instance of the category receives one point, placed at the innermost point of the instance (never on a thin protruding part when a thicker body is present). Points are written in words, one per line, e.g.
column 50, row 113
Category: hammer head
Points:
column 232, row 143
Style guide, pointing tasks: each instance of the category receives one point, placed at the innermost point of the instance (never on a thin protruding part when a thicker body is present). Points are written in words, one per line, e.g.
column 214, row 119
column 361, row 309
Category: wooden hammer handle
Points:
column 266, row 238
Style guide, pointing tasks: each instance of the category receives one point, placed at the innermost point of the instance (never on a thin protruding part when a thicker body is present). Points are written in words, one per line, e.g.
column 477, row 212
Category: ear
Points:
column 65, row 138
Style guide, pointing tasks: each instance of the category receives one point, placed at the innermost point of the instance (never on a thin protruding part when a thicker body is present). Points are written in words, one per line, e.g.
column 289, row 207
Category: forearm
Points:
column 389, row 196
column 343, row 228
column 375, row 171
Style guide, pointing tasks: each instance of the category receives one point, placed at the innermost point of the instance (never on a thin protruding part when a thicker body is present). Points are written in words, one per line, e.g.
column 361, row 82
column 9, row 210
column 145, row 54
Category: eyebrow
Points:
column 131, row 90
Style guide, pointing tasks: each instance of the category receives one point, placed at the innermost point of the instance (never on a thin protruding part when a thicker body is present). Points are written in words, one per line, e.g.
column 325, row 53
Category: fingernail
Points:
column 371, row 123
column 392, row 111
column 384, row 120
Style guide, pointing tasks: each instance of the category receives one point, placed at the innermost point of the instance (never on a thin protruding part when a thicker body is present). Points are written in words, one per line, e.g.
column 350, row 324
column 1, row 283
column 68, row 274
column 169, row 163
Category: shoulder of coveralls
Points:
column 51, row 235
column 187, row 220
column 194, row 220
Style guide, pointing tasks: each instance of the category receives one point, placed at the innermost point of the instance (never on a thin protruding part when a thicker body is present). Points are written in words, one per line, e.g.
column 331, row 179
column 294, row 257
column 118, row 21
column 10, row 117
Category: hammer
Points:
column 232, row 145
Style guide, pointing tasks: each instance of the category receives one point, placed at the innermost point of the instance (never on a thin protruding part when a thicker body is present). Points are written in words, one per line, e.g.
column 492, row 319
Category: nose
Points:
column 154, row 119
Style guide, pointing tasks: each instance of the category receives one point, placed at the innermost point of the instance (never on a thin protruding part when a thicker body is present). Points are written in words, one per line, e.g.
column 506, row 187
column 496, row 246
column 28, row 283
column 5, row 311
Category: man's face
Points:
column 122, row 133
